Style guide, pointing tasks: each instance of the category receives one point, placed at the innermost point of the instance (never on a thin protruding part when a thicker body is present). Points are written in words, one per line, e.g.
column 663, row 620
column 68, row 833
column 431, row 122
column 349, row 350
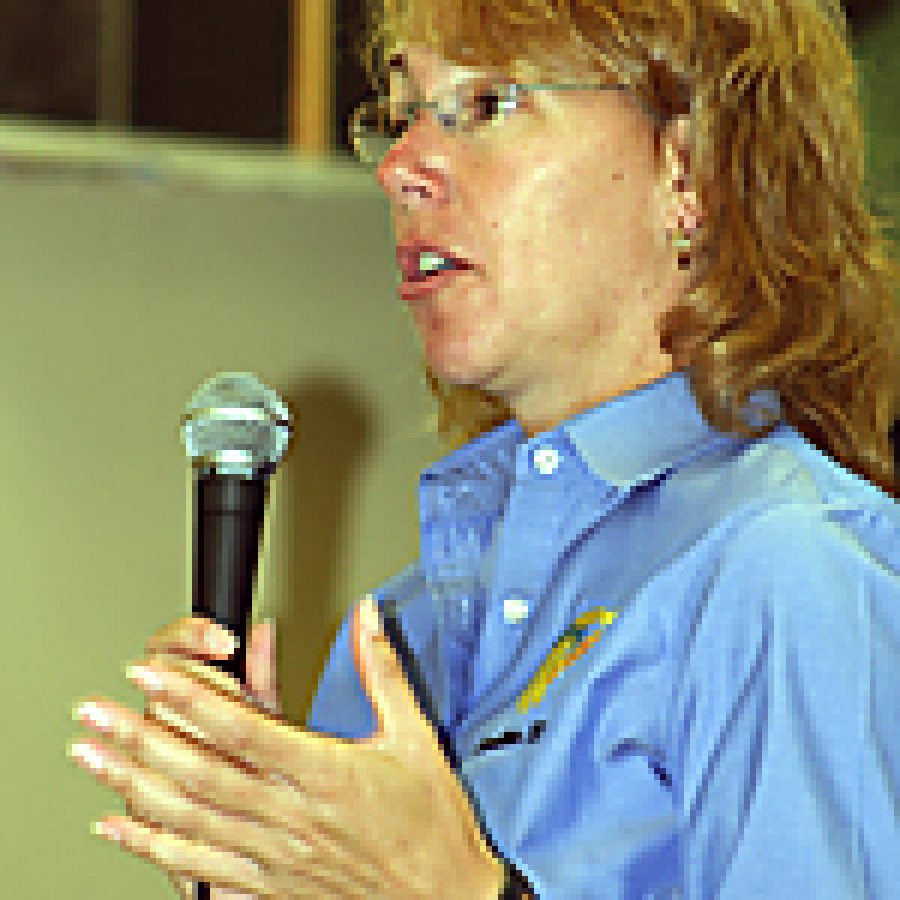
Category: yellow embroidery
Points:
column 569, row 647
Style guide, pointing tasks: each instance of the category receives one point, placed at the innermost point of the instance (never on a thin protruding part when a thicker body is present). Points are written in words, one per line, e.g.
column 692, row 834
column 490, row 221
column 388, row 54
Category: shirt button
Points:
column 546, row 459
column 514, row 609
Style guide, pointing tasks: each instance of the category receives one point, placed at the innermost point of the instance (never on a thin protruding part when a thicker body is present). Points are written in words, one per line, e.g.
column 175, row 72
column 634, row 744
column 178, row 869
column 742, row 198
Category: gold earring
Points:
column 681, row 238
column 687, row 222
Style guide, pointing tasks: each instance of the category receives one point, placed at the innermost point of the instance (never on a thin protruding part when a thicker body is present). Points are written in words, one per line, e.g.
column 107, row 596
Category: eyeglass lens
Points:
column 383, row 120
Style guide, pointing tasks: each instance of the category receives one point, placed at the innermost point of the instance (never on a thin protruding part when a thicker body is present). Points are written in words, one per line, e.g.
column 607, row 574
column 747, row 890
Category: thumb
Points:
column 262, row 680
column 396, row 710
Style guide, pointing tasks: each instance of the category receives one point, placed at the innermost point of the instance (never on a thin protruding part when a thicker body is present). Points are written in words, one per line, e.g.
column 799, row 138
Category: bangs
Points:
column 796, row 286
column 528, row 40
column 537, row 39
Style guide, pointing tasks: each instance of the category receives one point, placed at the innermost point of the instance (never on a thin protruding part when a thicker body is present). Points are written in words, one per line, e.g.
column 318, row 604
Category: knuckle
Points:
column 131, row 732
column 297, row 849
column 268, row 797
column 158, row 713
column 202, row 780
column 187, row 818
column 170, row 637
column 241, row 742
column 142, row 796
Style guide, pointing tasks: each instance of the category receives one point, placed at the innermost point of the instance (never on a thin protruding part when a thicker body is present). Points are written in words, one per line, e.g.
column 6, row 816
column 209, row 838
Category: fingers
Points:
column 261, row 677
column 184, row 644
column 164, row 715
column 199, row 801
column 187, row 891
column 149, row 763
column 195, row 638
column 192, row 636
column 183, row 858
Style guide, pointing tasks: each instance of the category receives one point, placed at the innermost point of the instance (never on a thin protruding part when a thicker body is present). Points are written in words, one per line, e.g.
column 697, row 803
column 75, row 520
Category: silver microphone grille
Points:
column 235, row 425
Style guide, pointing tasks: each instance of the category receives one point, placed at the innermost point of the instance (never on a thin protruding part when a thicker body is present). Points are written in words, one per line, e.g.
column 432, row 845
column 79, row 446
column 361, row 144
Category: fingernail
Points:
column 107, row 830
column 89, row 755
column 96, row 715
column 369, row 614
column 221, row 640
column 148, row 678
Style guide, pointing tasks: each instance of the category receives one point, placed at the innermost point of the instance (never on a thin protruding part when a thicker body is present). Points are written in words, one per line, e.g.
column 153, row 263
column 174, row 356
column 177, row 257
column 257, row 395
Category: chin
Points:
column 459, row 374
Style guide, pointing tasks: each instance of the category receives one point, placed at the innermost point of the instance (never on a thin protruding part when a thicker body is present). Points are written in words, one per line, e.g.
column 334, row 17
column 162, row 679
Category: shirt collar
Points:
column 622, row 442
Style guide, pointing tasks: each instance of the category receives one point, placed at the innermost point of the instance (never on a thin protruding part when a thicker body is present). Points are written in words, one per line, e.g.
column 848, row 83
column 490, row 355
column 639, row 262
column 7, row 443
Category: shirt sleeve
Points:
column 785, row 726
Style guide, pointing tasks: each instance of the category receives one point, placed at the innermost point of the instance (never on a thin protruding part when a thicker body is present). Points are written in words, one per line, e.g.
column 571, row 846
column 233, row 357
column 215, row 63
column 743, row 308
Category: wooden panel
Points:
column 114, row 64
column 312, row 87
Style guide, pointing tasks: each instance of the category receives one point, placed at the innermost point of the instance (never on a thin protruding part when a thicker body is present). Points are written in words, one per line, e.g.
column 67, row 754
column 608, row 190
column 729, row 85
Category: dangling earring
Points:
column 681, row 237
column 687, row 222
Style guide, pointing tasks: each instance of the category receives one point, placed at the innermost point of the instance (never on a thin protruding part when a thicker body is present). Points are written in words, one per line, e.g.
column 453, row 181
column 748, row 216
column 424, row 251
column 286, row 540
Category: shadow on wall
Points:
column 335, row 430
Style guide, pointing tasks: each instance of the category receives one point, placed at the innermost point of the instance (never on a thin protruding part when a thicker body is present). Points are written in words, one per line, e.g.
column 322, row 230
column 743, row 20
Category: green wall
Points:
column 117, row 300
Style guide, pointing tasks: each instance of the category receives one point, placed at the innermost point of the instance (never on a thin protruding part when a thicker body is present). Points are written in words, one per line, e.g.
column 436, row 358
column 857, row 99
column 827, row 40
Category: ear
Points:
column 671, row 156
column 675, row 152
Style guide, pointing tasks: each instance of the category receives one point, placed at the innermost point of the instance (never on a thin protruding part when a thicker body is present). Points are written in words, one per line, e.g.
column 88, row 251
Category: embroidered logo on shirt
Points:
column 513, row 737
column 566, row 649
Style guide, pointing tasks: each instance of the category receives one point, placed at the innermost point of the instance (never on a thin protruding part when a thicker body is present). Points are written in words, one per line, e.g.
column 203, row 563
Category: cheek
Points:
column 525, row 218
column 562, row 224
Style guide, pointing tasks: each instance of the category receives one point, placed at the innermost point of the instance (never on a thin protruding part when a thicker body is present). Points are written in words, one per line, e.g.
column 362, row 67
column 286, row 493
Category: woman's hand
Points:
column 193, row 638
column 263, row 808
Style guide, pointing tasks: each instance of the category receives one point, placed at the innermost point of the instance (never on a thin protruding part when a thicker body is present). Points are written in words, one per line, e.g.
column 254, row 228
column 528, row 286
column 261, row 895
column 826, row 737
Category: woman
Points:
column 654, row 620
column 641, row 265
column 770, row 101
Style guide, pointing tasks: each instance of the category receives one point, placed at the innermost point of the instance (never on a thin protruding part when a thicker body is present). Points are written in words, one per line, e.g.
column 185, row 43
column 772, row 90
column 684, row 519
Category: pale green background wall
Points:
column 116, row 301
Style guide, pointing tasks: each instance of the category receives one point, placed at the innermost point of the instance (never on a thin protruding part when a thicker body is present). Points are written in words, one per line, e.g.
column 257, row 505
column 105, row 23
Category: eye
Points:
column 490, row 102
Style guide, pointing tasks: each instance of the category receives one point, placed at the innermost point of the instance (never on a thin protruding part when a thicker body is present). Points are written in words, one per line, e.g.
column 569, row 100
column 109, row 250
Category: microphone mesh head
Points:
column 235, row 425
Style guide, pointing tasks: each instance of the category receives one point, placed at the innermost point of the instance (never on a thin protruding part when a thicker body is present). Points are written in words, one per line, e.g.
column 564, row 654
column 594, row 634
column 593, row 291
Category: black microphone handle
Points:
column 228, row 523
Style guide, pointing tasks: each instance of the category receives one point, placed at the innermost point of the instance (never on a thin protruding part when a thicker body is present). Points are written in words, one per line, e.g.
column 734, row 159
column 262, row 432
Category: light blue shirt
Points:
column 666, row 660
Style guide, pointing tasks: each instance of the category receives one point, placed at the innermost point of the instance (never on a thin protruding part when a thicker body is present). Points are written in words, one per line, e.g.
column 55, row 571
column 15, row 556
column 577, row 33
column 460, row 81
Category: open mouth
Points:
column 418, row 276
column 422, row 286
column 419, row 262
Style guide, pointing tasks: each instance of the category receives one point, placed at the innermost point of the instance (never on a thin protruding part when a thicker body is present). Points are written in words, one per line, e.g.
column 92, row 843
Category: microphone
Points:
column 235, row 431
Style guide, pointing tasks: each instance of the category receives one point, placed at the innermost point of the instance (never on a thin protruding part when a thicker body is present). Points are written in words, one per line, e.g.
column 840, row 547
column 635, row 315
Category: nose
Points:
column 412, row 172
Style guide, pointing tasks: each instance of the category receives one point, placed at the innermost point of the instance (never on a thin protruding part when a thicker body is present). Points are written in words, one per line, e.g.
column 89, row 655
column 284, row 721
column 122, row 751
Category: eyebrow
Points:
column 398, row 62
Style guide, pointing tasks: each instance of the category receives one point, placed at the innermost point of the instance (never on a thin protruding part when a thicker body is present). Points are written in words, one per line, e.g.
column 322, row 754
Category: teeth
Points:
column 432, row 262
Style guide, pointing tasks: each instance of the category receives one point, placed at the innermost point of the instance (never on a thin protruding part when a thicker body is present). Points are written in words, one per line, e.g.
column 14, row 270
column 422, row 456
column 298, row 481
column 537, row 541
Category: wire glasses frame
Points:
column 376, row 125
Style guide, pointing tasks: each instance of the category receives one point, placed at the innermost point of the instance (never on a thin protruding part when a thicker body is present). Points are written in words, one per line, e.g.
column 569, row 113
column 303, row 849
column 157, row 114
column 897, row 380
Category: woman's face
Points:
column 555, row 204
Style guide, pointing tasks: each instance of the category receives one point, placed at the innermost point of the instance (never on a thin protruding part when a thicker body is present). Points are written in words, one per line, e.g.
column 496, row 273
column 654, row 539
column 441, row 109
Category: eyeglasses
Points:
column 378, row 124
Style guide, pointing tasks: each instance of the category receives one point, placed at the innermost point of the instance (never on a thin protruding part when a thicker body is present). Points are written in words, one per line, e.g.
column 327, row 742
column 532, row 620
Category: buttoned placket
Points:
column 515, row 572
column 459, row 599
